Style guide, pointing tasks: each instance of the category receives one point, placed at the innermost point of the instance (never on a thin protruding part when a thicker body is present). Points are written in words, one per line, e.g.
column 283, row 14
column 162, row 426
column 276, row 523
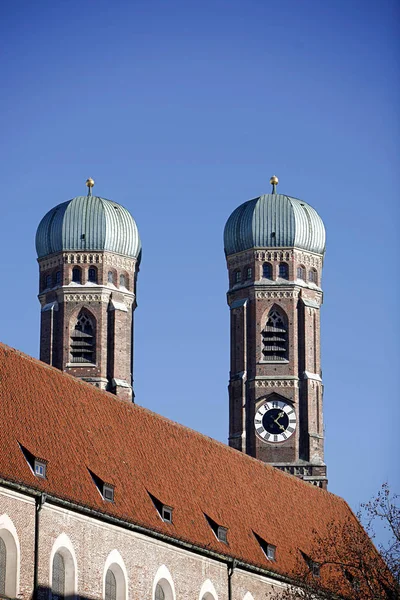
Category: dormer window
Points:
column 268, row 549
column 106, row 490
column 164, row 511
column 314, row 567
column 220, row 532
column 37, row 465
column 40, row 468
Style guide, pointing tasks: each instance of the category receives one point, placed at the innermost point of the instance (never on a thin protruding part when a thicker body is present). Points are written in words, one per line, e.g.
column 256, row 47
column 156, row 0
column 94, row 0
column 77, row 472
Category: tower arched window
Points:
column 48, row 281
column 284, row 271
column 3, row 567
column 300, row 272
column 83, row 340
column 76, row 275
column 111, row 586
column 238, row 276
column 312, row 276
column 249, row 273
column 267, row 271
column 58, row 577
column 275, row 336
column 110, row 277
column 58, row 278
column 92, row 275
column 122, row 280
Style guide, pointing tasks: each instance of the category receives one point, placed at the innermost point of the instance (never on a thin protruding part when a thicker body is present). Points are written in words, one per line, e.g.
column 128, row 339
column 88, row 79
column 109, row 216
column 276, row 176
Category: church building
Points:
column 103, row 499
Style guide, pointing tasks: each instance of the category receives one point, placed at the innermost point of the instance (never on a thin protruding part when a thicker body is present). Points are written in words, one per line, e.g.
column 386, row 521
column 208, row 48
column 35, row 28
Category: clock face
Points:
column 275, row 421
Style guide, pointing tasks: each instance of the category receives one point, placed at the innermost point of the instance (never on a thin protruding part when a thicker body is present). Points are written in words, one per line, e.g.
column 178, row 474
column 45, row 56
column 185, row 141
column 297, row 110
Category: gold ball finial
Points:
column 90, row 182
column 274, row 180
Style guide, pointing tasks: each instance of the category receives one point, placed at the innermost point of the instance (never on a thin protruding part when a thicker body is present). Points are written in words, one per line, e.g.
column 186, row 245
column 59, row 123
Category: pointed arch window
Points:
column 159, row 595
column 111, row 586
column 83, row 340
column 267, row 270
column 58, row 577
column 284, row 271
column 3, row 567
column 275, row 336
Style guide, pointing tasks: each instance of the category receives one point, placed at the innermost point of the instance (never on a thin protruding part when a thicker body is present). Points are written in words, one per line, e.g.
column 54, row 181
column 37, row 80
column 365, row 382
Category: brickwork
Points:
column 92, row 541
column 254, row 378
column 103, row 286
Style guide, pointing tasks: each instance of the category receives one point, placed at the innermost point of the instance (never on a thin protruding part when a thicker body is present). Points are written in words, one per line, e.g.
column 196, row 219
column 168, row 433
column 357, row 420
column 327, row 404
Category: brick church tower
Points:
column 89, row 253
column 274, row 247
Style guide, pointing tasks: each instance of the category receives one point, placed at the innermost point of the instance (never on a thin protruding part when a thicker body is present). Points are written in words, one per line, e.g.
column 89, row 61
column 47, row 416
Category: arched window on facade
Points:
column 275, row 336
column 110, row 277
column 111, row 586
column 92, row 275
column 267, row 271
column 300, row 272
column 249, row 273
column 312, row 276
column 83, row 340
column 76, row 275
column 238, row 276
column 58, row 278
column 284, row 271
column 3, row 567
column 58, row 577
column 122, row 280
column 159, row 595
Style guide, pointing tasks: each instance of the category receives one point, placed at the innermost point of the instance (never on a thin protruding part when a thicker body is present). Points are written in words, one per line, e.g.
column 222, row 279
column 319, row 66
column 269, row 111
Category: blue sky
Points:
column 181, row 111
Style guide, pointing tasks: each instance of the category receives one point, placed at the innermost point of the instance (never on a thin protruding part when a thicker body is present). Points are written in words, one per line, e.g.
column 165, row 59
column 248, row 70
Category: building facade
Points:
column 275, row 247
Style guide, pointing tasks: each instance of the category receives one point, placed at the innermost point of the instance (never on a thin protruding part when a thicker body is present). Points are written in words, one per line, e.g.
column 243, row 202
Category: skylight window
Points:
column 268, row 549
column 37, row 465
column 106, row 490
column 220, row 532
column 164, row 511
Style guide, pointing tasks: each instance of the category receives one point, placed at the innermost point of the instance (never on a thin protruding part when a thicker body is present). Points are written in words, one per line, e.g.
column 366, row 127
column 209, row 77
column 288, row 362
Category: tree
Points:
column 345, row 564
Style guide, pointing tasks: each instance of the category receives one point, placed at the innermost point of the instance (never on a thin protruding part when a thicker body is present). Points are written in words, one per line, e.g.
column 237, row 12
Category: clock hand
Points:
column 277, row 421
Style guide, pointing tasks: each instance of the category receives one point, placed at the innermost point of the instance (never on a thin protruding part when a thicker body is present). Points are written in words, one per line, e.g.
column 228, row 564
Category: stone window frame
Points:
column 64, row 547
column 115, row 563
column 8, row 534
column 164, row 580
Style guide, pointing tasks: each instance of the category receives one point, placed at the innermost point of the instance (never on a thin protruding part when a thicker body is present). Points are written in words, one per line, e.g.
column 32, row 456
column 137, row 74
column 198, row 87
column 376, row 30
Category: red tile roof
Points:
column 76, row 427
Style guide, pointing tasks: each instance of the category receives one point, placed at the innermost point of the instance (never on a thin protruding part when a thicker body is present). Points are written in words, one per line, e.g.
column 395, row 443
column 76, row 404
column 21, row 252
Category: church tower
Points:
column 89, row 253
column 275, row 246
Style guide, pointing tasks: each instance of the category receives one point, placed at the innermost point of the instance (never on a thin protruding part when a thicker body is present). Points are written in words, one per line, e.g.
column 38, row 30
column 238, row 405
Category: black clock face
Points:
column 275, row 421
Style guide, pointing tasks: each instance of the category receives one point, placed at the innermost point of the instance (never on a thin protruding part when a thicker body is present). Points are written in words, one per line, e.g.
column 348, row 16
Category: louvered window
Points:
column 83, row 343
column 159, row 593
column 111, row 586
column 58, row 582
column 3, row 564
column 275, row 337
column 283, row 271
